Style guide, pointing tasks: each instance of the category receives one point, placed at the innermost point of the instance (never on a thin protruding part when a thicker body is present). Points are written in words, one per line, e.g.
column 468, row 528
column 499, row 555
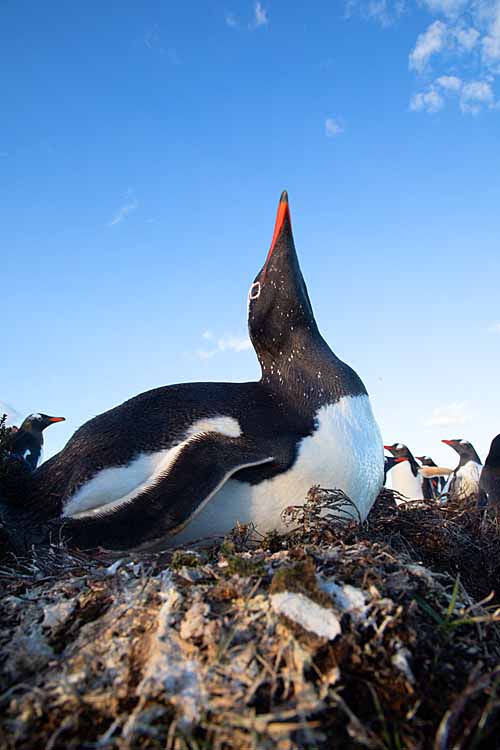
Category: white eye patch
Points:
column 254, row 292
column 399, row 447
column 464, row 442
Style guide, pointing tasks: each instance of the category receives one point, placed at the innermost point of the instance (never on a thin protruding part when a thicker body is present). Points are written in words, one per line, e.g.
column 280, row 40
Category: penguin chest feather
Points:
column 344, row 452
column 405, row 482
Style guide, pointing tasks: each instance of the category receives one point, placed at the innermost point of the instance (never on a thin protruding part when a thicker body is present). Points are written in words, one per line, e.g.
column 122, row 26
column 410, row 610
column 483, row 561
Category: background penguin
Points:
column 489, row 481
column 405, row 477
column 389, row 463
column 463, row 482
column 27, row 441
column 436, row 483
column 187, row 461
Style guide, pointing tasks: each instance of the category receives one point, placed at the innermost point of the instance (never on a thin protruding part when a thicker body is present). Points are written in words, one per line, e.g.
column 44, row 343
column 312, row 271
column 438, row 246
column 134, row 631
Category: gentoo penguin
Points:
column 489, row 481
column 463, row 482
column 187, row 461
column 389, row 463
column 27, row 441
column 405, row 477
column 436, row 484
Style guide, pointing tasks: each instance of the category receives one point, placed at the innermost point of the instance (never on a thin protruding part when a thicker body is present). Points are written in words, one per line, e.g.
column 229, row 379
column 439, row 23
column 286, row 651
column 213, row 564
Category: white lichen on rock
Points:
column 306, row 613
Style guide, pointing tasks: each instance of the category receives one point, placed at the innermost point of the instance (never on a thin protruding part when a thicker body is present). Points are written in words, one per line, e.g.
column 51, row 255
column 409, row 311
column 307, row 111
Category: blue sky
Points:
column 143, row 150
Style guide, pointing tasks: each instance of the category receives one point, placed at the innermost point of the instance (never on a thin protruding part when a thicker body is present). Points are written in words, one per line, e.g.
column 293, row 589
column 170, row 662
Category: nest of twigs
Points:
column 382, row 636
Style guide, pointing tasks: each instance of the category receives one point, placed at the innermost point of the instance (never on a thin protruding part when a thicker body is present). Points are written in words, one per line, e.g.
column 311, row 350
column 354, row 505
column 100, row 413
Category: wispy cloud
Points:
column 153, row 39
column 123, row 212
column 384, row 12
column 429, row 43
column 495, row 328
column 333, row 128
column 259, row 19
column 427, row 101
column 260, row 15
column 231, row 20
column 453, row 414
column 227, row 343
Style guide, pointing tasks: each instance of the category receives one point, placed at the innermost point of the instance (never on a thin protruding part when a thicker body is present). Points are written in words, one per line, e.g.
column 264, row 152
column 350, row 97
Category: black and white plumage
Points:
column 27, row 441
column 389, row 463
column 489, row 481
column 406, row 478
column 436, row 484
column 186, row 461
column 463, row 482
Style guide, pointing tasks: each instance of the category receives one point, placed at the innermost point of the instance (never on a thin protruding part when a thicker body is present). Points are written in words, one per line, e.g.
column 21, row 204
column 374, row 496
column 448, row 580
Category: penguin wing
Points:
column 200, row 468
column 429, row 472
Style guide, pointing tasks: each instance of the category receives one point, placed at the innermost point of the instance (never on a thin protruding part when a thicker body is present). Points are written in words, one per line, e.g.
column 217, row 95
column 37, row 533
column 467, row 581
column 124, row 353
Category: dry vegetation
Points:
column 384, row 636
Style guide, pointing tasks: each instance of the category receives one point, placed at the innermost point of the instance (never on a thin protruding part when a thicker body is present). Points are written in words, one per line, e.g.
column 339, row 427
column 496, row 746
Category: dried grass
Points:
column 186, row 650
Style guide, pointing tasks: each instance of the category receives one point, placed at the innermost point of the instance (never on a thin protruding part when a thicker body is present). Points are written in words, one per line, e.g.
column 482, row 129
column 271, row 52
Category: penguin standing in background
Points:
column 463, row 482
column 436, row 483
column 389, row 463
column 406, row 478
column 489, row 481
column 187, row 461
column 27, row 441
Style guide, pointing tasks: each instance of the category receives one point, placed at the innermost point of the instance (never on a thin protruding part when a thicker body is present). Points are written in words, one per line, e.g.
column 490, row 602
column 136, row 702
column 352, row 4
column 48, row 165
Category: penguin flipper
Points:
column 198, row 471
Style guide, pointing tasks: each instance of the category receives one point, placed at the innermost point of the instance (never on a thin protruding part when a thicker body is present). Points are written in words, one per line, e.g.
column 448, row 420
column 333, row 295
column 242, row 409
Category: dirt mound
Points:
column 383, row 636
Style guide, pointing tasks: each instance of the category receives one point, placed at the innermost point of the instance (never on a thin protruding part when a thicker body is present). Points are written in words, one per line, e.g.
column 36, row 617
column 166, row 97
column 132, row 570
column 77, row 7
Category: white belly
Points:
column 404, row 482
column 345, row 452
column 465, row 483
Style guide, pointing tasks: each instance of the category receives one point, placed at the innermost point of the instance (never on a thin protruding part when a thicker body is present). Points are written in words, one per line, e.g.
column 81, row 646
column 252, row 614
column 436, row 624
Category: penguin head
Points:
column 38, row 422
column 464, row 449
column 493, row 458
column 391, row 461
column 279, row 309
column 425, row 460
column 399, row 451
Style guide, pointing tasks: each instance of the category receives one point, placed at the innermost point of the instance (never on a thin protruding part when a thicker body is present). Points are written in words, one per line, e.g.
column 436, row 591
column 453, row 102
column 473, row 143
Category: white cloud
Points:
column 227, row 343
column 461, row 41
column 475, row 95
column 454, row 414
column 384, row 12
column 466, row 38
column 427, row 101
column 495, row 328
column 123, row 212
column 260, row 16
column 429, row 43
column 449, row 83
column 491, row 41
column 450, row 8
column 333, row 128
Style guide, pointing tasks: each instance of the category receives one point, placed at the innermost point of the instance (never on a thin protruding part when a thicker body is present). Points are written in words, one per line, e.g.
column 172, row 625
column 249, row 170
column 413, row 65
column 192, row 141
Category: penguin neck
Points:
column 304, row 368
column 471, row 456
column 414, row 466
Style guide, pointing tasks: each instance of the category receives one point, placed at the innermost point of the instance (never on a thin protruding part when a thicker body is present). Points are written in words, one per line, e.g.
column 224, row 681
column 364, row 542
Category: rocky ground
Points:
column 384, row 636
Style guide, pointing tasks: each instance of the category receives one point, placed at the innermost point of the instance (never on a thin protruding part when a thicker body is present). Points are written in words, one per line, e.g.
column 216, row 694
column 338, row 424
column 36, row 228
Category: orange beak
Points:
column 448, row 442
column 281, row 217
column 57, row 419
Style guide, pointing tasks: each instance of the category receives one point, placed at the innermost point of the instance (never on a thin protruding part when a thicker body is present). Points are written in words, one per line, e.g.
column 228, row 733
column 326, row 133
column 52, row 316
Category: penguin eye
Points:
column 254, row 292
column 464, row 442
